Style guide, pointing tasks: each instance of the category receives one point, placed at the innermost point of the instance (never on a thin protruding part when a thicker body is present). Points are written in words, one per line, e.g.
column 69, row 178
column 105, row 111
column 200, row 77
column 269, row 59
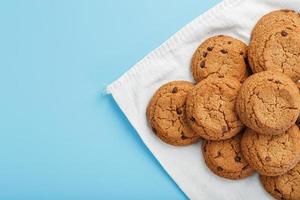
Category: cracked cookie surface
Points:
column 210, row 108
column 286, row 186
column 220, row 56
column 268, row 102
column 275, row 44
column 271, row 155
column 275, row 19
column 224, row 158
column 166, row 114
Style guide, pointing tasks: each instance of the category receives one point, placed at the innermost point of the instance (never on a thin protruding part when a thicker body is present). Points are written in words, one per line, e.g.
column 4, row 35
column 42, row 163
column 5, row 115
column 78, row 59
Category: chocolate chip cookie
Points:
column 210, row 108
column 220, row 56
column 275, row 44
column 275, row 19
column 272, row 155
column 224, row 158
column 286, row 186
column 268, row 102
column 166, row 114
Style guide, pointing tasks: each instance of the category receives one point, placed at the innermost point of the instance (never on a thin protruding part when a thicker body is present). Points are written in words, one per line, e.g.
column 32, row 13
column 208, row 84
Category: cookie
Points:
column 224, row 158
column 271, row 155
column 166, row 114
column 210, row 108
column 268, row 102
column 275, row 44
column 275, row 19
column 220, row 56
column 286, row 186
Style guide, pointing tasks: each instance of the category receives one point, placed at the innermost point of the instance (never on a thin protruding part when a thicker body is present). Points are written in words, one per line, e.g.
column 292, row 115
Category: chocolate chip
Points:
column 278, row 82
column 179, row 111
column 202, row 64
column 237, row 159
column 175, row 90
column 204, row 54
column 224, row 129
column 268, row 159
column 223, row 51
column 241, row 53
column 284, row 33
column 219, row 168
column 154, row 130
column 219, row 154
column 192, row 119
column 183, row 136
column 210, row 48
column 229, row 42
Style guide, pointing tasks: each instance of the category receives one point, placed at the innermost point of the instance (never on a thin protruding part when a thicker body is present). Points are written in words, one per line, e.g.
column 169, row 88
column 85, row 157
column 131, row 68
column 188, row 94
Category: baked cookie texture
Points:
column 286, row 186
column 268, row 102
column 275, row 44
column 224, row 158
column 220, row 56
column 271, row 155
column 210, row 108
column 275, row 19
column 166, row 114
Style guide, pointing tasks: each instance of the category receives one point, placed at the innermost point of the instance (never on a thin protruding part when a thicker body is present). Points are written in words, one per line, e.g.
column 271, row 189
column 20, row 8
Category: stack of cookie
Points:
column 247, row 121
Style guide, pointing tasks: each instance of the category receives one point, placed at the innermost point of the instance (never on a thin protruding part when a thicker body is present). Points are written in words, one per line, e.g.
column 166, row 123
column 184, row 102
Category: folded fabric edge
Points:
column 173, row 40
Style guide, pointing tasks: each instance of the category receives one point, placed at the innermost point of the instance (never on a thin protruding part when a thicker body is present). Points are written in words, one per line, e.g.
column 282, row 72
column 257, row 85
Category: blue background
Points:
column 61, row 136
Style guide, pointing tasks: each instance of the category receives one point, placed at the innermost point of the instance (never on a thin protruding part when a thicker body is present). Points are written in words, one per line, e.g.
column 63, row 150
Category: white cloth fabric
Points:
column 171, row 61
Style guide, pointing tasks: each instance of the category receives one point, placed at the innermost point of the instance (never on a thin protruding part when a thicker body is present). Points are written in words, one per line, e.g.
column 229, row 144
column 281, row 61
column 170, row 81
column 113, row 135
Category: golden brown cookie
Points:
column 272, row 155
column 224, row 158
column 210, row 108
column 275, row 44
column 275, row 19
column 268, row 102
column 286, row 186
column 166, row 114
column 220, row 56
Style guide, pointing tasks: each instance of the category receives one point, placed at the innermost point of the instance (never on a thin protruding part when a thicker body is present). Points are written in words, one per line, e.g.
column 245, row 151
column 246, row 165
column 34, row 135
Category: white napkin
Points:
column 171, row 61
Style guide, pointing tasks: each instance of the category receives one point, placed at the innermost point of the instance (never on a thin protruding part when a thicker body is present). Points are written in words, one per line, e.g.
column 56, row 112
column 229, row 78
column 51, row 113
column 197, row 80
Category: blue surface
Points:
column 61, row 138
